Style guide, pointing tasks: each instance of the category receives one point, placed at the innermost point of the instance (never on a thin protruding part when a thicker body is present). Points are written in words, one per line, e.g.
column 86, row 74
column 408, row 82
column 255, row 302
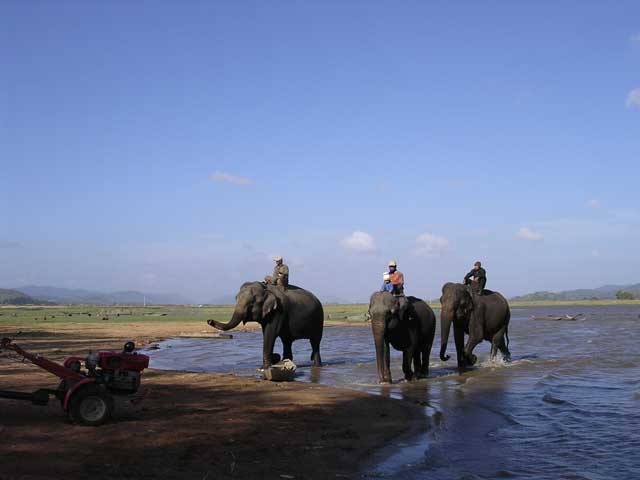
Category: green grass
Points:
column 87, row 314
column 42, row 316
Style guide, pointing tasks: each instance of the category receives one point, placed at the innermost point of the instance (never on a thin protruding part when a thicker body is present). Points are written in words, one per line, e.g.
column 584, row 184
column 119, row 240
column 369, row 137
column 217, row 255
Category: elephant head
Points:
column 384, row 308
column 387, row 309
column 255, row 302
column 457, row 305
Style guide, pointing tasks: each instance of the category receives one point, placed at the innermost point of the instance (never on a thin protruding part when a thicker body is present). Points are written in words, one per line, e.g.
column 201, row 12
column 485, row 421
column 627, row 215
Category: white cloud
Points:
column 593, row 203
column 633, row 99
column 525, row 233
column 359, row 242
column 429, row 245
column 223, row 177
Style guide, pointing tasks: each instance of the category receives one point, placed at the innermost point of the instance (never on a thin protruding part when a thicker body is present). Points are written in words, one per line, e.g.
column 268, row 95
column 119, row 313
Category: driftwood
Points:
column 565, row 318
column 283, row 371
column 215, row 336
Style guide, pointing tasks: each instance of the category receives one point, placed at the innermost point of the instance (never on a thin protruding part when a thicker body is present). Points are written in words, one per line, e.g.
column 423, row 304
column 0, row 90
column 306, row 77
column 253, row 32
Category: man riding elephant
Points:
column 280, row 276
column 393, row 280
column 479, row 281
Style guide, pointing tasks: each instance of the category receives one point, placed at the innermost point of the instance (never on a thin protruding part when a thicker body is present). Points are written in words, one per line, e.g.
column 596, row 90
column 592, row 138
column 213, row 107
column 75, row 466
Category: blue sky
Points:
column 177, row 146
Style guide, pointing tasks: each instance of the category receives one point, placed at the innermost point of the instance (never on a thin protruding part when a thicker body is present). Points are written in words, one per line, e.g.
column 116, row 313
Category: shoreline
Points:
column 194, row 424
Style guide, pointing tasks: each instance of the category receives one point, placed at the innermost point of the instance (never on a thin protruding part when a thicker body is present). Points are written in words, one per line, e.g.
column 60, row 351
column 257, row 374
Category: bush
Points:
column 622, row 295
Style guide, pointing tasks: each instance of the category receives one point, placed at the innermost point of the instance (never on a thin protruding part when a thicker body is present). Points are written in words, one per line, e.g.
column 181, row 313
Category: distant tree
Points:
column 622, row 295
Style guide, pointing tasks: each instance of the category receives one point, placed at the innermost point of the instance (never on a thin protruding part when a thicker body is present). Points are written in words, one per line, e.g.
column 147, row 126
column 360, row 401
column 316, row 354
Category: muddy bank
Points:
column 191, row 425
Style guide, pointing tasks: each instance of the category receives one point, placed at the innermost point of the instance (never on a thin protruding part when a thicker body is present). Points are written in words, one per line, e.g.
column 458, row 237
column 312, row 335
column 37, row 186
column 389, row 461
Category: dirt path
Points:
column 200, row 426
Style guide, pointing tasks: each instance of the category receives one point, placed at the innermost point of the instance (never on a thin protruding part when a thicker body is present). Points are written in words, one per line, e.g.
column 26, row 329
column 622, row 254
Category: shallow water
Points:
column 567, row 406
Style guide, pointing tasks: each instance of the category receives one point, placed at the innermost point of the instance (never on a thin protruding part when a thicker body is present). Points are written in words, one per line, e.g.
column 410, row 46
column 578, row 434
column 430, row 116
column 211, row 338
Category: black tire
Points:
column 90, row 406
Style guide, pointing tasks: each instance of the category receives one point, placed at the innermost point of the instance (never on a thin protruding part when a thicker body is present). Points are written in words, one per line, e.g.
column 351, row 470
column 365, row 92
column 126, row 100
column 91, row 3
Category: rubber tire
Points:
column 90, row 393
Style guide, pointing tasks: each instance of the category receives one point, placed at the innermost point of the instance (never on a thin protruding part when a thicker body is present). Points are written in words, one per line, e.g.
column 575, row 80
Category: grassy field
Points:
column 34, row 316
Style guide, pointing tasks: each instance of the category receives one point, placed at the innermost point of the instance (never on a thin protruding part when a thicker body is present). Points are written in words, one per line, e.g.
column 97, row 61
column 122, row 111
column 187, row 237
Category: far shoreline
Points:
column 358, row 306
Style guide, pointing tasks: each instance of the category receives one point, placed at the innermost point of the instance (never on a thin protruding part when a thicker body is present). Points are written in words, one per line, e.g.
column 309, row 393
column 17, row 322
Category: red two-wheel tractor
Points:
column 86, row 395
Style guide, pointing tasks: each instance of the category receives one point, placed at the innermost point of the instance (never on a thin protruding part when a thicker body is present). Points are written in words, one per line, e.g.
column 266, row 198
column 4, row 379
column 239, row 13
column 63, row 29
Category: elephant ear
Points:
column 270, row 304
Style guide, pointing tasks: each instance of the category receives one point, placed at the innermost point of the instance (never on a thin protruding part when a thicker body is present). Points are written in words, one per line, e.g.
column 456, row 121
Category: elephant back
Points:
column 299, row 304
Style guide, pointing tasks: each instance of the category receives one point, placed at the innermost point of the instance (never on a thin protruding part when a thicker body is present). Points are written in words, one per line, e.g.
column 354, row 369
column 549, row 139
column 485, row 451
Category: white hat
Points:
column 392, row 263
column 277, row 259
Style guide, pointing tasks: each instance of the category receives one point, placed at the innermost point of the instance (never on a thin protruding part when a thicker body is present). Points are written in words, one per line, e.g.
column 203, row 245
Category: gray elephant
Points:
column 407, row 324
column 484, row 317
column 290, row 315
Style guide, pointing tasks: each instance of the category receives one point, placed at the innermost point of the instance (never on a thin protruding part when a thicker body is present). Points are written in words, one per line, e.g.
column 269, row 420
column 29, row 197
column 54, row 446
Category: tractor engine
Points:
column 119, row 372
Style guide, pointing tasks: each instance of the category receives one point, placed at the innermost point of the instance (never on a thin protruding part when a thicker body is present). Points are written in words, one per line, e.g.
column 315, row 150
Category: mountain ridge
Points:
column 605, row 292
column 82, row 296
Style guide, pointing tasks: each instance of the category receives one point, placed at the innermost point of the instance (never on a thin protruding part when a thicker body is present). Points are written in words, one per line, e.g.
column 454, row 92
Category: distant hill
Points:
column 601, row 293
column 14, row 297
column 76, row 296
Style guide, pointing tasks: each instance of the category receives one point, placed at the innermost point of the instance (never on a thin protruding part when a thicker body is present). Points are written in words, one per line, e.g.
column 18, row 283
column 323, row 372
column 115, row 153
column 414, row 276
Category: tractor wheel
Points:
column 90, row 406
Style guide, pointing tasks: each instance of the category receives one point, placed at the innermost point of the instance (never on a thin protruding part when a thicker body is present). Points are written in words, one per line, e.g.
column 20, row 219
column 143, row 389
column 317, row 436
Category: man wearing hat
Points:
column 394, row 284
column 393, row 280
column 280, row 275
column 479, row 278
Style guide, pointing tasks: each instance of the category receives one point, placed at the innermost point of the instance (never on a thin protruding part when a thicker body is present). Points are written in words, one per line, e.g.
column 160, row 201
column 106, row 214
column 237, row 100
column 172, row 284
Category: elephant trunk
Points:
column 233, row 323
column 446, row 318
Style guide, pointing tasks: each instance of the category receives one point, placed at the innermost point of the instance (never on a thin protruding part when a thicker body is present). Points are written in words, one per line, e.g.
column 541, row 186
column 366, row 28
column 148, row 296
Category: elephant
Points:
column 409, row 325
column 292, row 314
column 483, row 317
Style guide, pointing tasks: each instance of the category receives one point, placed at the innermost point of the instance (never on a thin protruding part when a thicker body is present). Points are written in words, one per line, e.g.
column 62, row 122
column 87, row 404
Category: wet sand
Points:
column 191, row 425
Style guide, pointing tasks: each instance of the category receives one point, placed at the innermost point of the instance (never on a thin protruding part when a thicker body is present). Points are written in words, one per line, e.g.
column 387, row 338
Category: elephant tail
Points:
column 506, row 329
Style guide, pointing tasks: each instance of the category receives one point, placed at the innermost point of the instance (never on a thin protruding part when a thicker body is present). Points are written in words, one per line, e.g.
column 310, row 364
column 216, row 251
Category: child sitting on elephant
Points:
column 387, row 286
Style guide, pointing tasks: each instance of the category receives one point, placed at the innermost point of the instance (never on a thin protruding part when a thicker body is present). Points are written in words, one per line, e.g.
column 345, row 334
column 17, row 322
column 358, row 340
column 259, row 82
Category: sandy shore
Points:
column 200, row 426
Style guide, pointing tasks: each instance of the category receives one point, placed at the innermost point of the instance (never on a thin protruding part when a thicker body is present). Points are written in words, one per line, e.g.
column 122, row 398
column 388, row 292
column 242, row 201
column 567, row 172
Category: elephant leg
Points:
column 424, row 364
column 315, row 352
column 498, row 340
column 494, row 347
column 268, row 342
column 379, row 341
column 407, row 357
column 474, row 340
column 425, row 353
column 417, row 363
column 476, row 335
column 495, row 342
column 286, row 349
column 386, row 364
column 427, row 343
column 458, row 336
